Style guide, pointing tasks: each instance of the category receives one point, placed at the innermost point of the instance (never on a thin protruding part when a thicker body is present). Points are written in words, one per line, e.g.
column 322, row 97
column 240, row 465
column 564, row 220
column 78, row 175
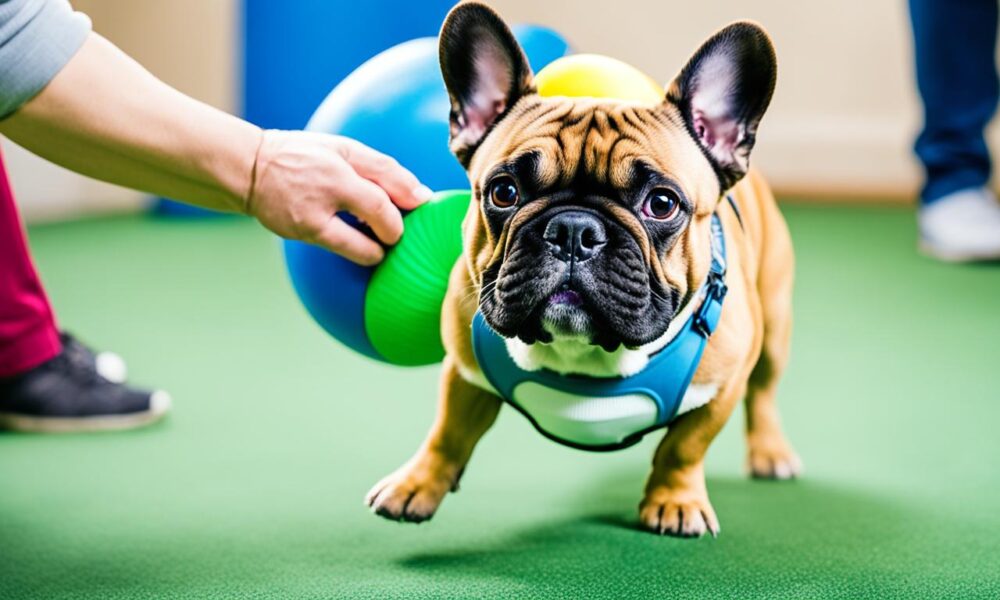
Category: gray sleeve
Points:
column 37, row 39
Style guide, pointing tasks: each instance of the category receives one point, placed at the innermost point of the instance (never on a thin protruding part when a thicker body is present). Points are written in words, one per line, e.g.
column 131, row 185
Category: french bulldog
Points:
column 588, row 233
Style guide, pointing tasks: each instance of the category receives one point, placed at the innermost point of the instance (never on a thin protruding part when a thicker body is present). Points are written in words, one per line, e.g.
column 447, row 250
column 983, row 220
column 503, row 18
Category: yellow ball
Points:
column 596, row 76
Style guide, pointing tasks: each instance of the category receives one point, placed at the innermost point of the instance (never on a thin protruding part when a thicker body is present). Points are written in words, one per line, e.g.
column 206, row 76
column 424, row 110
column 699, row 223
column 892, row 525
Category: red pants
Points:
column 28, row 332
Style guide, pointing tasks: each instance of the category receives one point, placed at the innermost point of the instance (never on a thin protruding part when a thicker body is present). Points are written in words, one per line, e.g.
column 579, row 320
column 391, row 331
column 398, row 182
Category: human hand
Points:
column 301, row 180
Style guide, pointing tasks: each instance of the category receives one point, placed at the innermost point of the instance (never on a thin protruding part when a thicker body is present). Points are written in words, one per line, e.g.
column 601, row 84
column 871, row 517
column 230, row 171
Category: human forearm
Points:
column 105, row 116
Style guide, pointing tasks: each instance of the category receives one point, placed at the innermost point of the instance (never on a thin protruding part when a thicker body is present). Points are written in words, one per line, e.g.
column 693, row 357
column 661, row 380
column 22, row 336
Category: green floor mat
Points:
column 253, row 487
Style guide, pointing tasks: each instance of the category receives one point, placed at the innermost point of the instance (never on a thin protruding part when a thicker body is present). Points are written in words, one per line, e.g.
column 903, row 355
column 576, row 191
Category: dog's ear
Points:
column 485, row 71
column 723, row 92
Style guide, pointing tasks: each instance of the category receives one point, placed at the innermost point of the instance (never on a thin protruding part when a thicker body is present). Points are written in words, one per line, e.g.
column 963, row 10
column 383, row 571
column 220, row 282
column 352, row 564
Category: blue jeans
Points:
column 955, row 43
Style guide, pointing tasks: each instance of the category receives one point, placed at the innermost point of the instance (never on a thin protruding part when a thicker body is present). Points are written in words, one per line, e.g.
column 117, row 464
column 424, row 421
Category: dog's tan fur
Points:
column 744, row 357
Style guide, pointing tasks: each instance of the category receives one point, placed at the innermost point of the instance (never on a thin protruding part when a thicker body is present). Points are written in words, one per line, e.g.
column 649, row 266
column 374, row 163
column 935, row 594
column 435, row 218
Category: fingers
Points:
column 340, row 238
column 305, row 178
column 403, row 187
column 370, row 203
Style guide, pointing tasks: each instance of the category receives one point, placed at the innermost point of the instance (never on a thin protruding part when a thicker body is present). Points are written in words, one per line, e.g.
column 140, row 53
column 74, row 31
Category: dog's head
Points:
column 592, row 217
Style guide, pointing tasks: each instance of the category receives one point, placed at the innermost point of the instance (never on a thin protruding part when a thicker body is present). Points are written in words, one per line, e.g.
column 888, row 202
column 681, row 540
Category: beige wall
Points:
column 844, row 111
column 190, row 44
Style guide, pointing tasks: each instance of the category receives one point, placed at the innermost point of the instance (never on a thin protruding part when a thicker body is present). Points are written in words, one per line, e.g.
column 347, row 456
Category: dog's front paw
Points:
column 679, row 513
column 413, row 492
column 772, row 457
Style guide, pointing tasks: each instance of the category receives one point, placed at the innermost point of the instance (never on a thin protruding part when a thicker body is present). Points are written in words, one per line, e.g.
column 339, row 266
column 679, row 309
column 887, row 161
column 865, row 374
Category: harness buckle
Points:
column 707, row 316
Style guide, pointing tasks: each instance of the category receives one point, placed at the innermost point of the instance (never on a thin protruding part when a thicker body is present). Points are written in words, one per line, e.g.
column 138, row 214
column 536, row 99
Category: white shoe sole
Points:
column 952, row 256
column 159, row 405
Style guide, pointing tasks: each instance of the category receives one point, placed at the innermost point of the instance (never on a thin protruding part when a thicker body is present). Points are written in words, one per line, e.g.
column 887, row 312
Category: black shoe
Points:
column 67, row 394
column 108, row 364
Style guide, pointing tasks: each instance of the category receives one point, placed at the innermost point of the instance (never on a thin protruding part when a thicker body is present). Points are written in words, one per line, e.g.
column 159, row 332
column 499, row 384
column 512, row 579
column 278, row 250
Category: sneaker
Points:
column 962, row 227
column 108, row 364
column 67, row 394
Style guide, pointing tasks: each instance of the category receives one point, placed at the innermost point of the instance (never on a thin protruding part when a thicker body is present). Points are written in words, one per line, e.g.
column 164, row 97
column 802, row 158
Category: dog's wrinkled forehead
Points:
column 612, row 149
column 717, row 100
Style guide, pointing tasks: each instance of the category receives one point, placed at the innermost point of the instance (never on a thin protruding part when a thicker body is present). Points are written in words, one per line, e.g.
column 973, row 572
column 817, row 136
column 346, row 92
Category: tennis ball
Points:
column 596, row 76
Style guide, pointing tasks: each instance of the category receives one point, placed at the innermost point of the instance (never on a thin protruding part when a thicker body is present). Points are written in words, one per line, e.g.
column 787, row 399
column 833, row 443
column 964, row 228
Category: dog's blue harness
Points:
column 609, row 413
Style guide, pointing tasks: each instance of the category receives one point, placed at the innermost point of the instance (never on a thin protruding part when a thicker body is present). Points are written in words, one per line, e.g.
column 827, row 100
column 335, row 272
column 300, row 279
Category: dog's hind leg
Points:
column 415, row 490
column 770, row 455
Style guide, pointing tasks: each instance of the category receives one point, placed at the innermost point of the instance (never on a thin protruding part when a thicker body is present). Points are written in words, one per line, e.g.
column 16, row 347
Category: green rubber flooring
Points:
column 253, row 487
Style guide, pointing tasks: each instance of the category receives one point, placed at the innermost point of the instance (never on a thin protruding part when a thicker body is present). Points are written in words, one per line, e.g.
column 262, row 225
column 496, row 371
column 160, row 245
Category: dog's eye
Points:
column 503, row 192
column 662, row 204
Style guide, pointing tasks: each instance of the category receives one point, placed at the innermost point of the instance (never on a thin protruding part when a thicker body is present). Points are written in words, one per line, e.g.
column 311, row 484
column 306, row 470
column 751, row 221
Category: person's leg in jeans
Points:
column 48, row 380
column 955, row 45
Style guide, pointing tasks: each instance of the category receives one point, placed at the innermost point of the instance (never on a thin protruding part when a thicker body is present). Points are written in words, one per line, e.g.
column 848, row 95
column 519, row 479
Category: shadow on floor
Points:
column 786, row 539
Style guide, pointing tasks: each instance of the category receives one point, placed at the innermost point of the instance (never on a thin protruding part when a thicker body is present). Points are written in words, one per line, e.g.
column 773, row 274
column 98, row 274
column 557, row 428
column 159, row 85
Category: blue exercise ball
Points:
column 541, row 44
column 396, row 103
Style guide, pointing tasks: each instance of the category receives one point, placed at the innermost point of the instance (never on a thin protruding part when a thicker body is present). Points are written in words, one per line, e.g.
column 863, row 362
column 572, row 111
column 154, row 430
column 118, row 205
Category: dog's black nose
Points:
column 575, row 235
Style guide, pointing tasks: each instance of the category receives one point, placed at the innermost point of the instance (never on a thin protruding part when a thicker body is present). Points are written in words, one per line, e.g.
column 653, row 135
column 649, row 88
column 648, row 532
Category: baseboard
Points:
column 839, row 159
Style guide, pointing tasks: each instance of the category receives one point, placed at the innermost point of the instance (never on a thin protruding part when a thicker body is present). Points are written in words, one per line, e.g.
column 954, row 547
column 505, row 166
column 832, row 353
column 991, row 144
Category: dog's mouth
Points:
column 547, row 303
column 566, row 316
column 566, row 297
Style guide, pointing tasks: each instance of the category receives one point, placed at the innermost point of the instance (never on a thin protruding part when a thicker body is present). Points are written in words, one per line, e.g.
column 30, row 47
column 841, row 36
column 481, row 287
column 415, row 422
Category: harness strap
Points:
column 707, row 317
